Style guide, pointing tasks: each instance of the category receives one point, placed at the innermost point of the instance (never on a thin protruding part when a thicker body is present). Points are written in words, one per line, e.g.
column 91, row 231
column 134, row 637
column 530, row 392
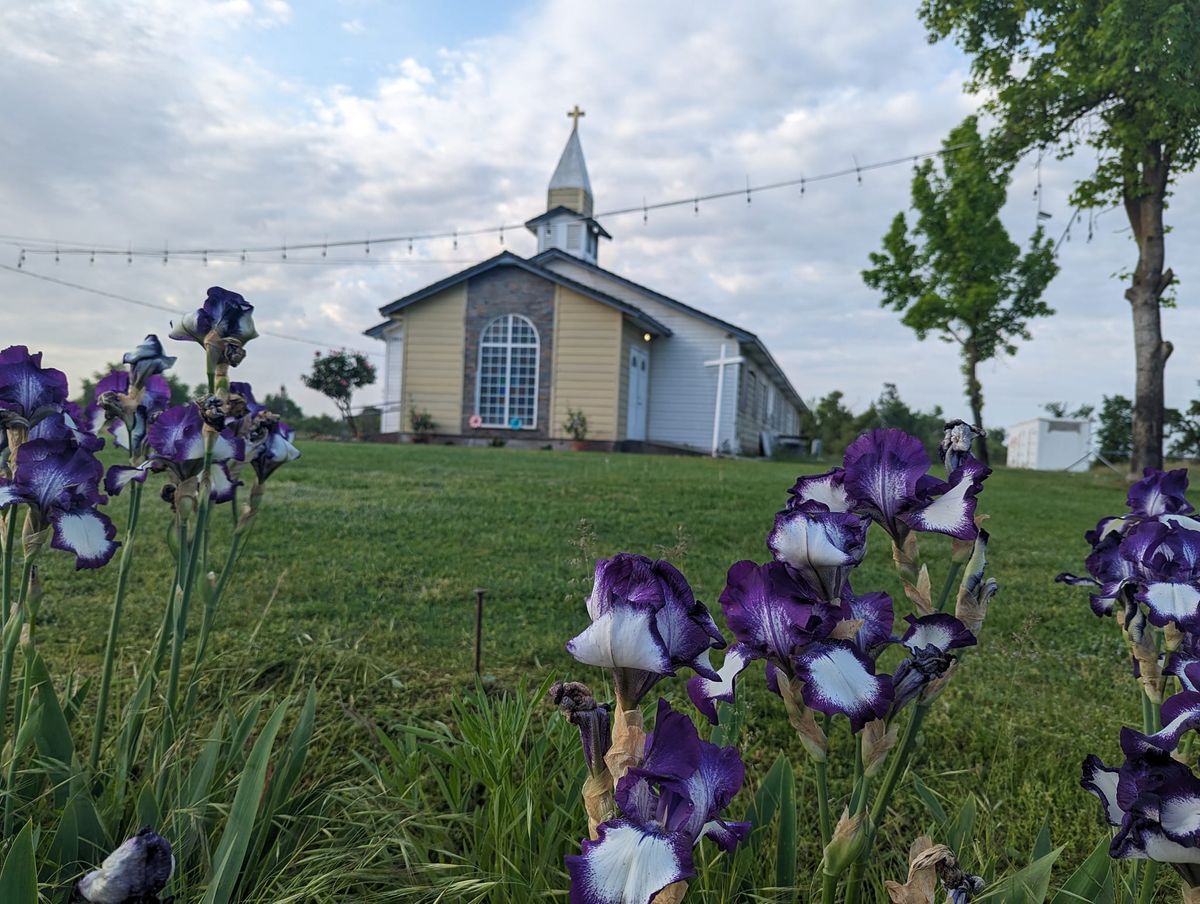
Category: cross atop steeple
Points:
column 575, row 114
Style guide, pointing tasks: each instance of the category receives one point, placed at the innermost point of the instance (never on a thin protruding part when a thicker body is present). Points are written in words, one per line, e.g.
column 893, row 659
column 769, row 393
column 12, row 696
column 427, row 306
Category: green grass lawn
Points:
column 361, row 571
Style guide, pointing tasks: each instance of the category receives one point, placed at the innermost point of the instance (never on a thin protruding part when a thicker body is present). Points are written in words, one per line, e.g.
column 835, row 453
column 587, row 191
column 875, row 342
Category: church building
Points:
column 510, row 347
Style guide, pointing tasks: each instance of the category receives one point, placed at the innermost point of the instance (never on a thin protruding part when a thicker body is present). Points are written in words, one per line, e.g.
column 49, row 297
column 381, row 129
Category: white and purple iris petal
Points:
column 821, row 546
column 26, row 388
column 135, row 872
column 147, row 360
column 671, row 752
column 684, row 625
column 770, row 613
column 953, row 511
column 274, row 451
column 1160, row 493
column 226, row 313
column 710, row 788
column 704, row 692
column 1180, row 714
column 628, row 864
column 625, row 636
column 940, row 630
column 883, row 475
column 819, row 492
column 839, row 679
column 86, row 533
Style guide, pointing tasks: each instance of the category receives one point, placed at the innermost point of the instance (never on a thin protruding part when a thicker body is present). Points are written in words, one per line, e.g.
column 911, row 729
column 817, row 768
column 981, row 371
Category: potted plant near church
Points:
column 422, row 424
column 576, row 426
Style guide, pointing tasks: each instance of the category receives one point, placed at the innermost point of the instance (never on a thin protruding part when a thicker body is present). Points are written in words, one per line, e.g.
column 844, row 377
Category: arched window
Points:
column 506, row 387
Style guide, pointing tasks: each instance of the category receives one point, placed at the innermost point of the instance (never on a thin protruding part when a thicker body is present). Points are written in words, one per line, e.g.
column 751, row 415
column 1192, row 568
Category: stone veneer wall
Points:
column 509, row 290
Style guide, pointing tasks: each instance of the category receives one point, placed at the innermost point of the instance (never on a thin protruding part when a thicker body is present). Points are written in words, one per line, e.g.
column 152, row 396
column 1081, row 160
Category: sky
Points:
column 183, row 124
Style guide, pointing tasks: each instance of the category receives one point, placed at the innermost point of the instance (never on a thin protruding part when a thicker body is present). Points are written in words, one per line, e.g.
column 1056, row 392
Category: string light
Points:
column 43, row 246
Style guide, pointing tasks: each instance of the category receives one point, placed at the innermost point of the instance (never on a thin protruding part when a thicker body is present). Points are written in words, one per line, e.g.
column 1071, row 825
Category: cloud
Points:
column 168, row 122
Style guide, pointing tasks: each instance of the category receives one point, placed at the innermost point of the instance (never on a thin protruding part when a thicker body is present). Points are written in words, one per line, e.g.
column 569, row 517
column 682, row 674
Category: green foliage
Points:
column 336, row 375
column 1115, row 76
column 282, row 404
column 1114, row 436
column 1185, row 431
column 576, row 425
column 955, row 273
column 421, row 421
column 836, row 426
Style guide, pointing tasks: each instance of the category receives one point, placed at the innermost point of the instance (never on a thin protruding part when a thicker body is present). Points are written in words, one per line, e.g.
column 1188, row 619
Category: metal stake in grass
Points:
column 479, row 592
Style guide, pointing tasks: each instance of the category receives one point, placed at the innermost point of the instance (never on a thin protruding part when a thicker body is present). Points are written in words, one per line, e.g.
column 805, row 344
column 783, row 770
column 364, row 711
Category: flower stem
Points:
column 951, row 576
column 826, row 822
column 12, row 636
column 186, row 586
column 883, row 796
column 1148, row 880
column 828, row 888
column 7, row 620
column 114, row 625
column 210, row 610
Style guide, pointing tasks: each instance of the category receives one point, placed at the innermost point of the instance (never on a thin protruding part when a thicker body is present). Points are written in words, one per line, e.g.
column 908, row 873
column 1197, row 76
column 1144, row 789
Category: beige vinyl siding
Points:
column 587, row 364
column 434, row 337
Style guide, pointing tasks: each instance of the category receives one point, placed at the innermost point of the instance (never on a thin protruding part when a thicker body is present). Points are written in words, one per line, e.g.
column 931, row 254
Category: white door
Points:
column 393, row 389
column 639, row 384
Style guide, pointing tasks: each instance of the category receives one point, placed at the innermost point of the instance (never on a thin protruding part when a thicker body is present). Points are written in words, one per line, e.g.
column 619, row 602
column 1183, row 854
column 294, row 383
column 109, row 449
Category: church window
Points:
column 574, row 236
column 506, row 387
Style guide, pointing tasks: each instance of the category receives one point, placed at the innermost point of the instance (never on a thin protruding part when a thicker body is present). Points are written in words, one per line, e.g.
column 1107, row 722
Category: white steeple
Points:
column 570, row 185
column 567, row 223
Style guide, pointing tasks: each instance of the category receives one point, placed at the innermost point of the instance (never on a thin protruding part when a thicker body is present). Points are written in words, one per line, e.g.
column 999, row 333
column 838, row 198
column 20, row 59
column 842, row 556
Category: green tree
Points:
column 1119, row 77
column 1114, row 435
column 832, row 423
column 956, row 273
column 336, row 375
column 282, row 404
column 1185, row 431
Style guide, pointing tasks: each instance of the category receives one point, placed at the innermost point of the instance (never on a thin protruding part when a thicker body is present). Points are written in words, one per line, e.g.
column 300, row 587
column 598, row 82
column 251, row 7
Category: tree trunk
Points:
column 1144, row 201
column 975, row 398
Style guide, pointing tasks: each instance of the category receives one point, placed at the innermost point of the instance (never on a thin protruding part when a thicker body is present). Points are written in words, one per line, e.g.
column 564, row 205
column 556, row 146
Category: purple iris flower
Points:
column 775, row 615
column 667, row 805
column 28, row 391
column 1160, row 493
column 225, row 320
column 822, row 546
column 1150, row 555
column 645, row 624
column 268, row 440
column 1152, row 799
column 126, row 408
column 68, row 423
column 176, row 442
column 147, row 360
column 884, row 477
column 135, row 873
column 59, row 480
column 929, row 641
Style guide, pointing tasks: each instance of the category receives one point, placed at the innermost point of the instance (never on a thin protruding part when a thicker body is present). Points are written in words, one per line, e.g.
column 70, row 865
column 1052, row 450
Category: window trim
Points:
column 508, row 345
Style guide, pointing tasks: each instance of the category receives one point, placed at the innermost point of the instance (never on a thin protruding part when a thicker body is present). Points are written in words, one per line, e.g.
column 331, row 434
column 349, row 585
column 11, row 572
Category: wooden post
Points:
column 479, row 591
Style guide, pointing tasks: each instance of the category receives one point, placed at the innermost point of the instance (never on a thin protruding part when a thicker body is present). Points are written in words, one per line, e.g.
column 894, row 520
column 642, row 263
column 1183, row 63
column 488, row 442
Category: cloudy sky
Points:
column 158, row 124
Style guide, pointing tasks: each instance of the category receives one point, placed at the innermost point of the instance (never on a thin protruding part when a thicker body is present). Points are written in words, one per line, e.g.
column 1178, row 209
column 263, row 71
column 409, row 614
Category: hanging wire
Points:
column 43, row 246
column 159, row 307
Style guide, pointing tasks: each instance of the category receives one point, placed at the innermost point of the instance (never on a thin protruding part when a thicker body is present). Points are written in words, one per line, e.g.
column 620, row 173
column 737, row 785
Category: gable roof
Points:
column 742, row 335
column 508, row 259
column 559, row 210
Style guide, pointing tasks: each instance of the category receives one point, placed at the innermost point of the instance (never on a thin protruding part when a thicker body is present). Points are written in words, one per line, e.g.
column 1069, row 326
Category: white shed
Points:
column 1050, row 444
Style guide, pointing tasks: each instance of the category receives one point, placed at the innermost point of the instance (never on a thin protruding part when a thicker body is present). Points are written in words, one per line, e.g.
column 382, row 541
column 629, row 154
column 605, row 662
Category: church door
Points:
column 639, row 384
